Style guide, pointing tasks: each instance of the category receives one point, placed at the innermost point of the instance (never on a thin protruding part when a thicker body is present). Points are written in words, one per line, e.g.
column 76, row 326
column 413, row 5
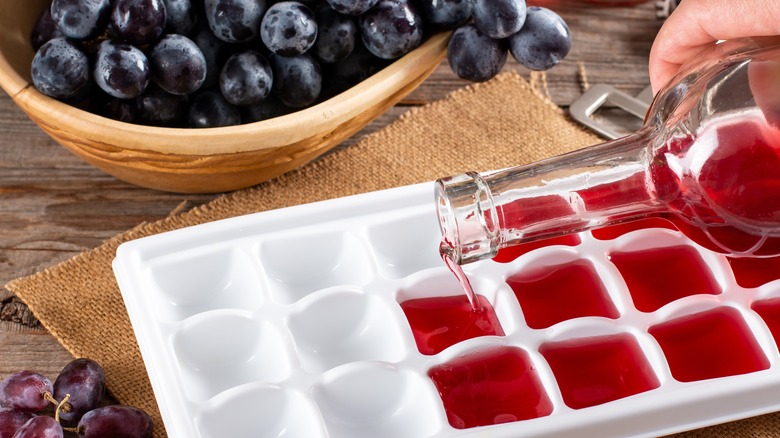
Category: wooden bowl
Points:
column 202, row 160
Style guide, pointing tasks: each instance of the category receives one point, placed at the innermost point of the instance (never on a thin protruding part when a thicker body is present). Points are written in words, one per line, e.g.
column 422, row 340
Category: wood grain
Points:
column 54, row 205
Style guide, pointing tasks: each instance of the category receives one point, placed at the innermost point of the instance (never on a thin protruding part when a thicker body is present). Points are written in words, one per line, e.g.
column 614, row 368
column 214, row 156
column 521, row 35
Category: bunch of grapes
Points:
column 27, row 397
column 208, row 63
column 537, row 38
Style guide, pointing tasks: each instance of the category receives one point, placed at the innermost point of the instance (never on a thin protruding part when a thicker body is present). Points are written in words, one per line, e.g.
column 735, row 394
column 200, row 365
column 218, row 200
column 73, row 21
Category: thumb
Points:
column 696, row 23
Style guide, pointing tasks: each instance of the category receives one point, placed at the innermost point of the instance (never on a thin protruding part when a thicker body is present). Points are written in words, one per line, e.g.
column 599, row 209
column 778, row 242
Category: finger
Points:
column 696, row 23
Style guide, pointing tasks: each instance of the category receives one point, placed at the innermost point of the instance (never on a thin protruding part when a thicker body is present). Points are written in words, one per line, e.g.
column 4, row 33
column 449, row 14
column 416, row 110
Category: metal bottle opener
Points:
column 583, row 109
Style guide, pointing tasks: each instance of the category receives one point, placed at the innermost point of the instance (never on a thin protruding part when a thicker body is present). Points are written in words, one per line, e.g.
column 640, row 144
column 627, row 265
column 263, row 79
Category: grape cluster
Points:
column 537, row 38
column 26, row 397
column 207, row 63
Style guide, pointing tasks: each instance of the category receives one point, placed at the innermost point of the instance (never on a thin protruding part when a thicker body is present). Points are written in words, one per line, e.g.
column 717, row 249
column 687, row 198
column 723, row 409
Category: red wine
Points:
column 658, row 276
column 754, row 272
column 597, row 370
column 551, row 294
column 497, row 385
column 708, row 345
column 440, row 322
column 769, row 311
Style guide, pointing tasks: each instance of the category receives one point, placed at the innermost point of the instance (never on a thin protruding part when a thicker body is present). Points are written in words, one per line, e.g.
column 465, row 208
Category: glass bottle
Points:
column 707, row 158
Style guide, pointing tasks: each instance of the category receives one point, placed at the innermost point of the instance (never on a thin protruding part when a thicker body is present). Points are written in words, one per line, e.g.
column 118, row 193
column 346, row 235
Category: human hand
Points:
column 696, row 23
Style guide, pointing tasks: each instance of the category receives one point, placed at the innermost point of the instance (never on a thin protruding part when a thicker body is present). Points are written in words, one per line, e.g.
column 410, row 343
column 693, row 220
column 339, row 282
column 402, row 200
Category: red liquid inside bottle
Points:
column 706, row 159
column 723, row 189
column 614, row 231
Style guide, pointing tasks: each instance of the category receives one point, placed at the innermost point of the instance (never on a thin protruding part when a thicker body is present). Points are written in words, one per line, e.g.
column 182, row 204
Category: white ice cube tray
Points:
column 288, row 323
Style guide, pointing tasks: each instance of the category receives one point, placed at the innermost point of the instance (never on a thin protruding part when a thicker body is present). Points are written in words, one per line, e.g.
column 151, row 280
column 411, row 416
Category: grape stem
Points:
column 59, row 407
column 50, row 398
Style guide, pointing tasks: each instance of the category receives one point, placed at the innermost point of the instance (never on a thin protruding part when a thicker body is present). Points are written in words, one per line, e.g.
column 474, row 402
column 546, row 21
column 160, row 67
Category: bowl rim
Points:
column 53, row 115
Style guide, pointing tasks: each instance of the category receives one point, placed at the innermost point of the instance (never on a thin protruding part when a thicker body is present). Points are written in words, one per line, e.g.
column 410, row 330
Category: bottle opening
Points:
column 467, row 218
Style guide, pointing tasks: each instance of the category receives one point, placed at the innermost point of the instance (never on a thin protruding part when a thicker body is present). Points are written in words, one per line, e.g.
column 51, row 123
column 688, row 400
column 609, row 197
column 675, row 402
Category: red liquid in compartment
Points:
column 755, row 272
column 656, row 277
column 597, row 370
column 440, row 322
column 551, row 294
column 769, row 311
column 708, row 345
column 496, row 385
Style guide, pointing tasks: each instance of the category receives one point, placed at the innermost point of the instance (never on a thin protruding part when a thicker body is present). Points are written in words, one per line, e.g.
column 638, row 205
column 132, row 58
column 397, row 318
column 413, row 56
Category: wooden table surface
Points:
column 54, row 206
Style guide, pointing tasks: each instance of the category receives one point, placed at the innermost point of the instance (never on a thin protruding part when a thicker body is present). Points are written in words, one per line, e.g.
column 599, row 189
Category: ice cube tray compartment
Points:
column 260, row 409
column 338, row 319
column 186, row 284
column 377, row 400
column 299, row 265
column 212, row 358
column 342, row 327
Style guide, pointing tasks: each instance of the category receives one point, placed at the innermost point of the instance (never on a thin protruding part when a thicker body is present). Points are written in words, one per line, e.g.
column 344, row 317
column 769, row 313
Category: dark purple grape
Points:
column 288, row 28
column 355, row 68
column 40, row 427
column 337, row 35
column 116, row 421
column 159, row 108
column 209, row 109
column 121, row 70
column 24, row 391
column 81, row 19
column 446, row 14
column 85, row 381
column 138, row 22
column 105, row 105
column 499, row 18
column 178, row 65
column 181, row 17
column 235, row 21
column 297, row 80
column 11, row 421
column 60, row 69
column 44, row 29
column 352, row 7
column 211, row 47
column 475, row 56
column 246, row 78
column 269, row 108
column 392, row 28
column 543, row 41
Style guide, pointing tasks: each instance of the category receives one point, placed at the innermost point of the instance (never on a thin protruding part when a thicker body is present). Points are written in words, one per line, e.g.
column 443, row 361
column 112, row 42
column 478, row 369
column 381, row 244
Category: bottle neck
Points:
column 602, row 184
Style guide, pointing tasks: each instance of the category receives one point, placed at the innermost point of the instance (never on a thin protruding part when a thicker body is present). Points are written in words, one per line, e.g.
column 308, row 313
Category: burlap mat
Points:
column 488, row 126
